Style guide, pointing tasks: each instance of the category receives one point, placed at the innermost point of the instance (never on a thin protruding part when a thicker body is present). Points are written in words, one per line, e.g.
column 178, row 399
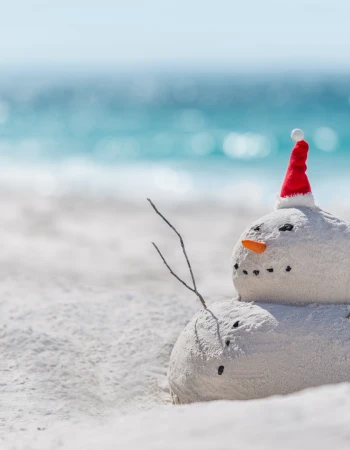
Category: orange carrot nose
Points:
column 254, row 246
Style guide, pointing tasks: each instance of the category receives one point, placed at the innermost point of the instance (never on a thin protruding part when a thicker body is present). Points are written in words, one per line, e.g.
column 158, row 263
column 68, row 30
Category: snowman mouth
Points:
column 257, row 272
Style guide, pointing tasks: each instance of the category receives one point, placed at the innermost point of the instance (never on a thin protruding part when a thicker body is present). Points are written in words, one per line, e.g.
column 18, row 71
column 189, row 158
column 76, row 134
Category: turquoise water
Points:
column 183, row 134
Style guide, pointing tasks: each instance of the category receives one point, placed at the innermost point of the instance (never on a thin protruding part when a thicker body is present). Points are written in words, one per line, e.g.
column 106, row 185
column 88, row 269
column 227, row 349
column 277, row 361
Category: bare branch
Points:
column 181, row 241
column 194, row 289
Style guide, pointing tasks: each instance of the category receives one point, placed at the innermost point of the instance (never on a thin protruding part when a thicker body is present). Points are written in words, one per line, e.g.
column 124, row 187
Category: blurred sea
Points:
column 178, row 136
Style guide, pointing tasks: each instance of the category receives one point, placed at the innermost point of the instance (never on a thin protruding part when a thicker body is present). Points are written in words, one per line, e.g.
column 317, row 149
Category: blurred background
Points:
column 177, row 99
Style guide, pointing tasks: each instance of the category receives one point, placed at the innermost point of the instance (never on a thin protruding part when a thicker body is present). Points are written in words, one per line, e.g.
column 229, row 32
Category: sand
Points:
column 89, row 316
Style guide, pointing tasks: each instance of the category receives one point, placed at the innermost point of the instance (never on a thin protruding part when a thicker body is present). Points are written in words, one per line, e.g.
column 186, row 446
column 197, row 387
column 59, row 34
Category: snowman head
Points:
column 298, row 253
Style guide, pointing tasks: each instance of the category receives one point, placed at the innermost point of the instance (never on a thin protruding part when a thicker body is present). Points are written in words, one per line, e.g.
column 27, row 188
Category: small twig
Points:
column 194, row 289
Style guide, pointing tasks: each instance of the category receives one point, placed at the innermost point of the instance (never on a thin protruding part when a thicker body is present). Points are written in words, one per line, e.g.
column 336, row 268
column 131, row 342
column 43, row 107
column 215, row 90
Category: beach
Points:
column 89, row 312
column 202, row 107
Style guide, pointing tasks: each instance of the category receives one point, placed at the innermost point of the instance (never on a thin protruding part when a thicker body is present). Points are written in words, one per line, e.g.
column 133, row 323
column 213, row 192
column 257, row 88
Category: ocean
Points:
column 176, row 136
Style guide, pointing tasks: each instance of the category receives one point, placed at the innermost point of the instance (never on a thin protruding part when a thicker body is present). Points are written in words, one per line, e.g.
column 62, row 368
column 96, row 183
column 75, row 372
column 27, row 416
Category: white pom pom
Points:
column 297, row 135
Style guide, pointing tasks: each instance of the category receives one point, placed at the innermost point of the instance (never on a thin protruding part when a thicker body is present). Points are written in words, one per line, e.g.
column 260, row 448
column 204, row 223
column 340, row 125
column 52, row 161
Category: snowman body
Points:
column 242, row 351
column 289, row 327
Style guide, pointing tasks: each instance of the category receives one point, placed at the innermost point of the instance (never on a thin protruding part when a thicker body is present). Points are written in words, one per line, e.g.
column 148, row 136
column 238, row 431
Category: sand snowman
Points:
column 288, row 329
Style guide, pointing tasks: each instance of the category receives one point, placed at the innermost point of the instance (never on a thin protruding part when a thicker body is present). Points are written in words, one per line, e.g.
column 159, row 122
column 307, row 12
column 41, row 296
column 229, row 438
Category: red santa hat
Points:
column 296, row 189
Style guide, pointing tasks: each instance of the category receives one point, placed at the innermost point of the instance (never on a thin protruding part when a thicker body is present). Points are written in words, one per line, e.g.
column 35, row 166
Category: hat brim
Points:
column 306, row 200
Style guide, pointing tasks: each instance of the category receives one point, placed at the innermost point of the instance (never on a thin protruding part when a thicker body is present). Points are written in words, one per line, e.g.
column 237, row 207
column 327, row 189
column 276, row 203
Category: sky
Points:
column 215, row 34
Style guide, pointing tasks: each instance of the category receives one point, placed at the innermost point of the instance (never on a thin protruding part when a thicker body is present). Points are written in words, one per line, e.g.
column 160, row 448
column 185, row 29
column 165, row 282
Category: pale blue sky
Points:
column 218, row 34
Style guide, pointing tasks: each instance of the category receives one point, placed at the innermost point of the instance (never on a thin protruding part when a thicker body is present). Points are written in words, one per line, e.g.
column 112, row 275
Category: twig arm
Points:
column 181, row 241
column 194, row 289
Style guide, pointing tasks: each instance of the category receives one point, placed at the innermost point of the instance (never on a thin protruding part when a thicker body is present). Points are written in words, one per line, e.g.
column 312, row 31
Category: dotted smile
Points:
column 257, row 272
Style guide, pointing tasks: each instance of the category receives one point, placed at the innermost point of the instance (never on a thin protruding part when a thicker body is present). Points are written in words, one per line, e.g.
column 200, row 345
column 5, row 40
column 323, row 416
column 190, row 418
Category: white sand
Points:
column 314, row 419
column 89, row 316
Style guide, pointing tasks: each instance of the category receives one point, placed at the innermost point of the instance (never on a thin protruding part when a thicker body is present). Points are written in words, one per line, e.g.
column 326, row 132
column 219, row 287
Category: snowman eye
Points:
column 257, row 228
column 286, row 227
